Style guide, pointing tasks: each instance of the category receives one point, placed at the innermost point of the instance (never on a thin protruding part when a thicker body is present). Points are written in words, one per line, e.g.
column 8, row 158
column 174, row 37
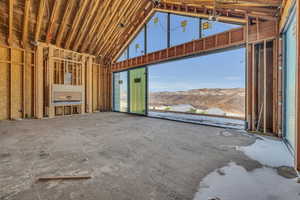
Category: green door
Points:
column 290, row 82
column 120, row 91
column 138, row 91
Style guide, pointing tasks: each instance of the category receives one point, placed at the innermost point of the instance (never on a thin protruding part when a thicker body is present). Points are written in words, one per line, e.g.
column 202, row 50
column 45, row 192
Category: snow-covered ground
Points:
column 234, row 182
column 200, row 119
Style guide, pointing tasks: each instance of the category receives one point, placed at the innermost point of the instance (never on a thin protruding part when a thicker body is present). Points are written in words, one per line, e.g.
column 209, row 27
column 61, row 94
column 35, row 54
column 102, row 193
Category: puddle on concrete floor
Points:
column 269, row 152
column 275, row 181
column 236, row 183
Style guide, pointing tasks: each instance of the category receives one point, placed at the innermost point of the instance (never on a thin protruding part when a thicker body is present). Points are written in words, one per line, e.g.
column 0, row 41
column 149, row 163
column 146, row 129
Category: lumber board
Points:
column 51, row 178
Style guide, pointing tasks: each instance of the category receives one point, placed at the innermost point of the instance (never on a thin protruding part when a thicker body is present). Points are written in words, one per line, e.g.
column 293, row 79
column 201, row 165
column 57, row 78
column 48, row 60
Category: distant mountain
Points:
column 228, row 100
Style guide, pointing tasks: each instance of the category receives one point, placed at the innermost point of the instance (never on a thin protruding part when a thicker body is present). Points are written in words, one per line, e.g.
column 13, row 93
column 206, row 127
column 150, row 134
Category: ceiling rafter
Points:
column 75, row 25
column 113, row 12
column 87, row 21
column 39, row 20
column 97, row 25
column 68, row 10
column 10, row 21
column 25, row 23
column 122, row 31
column 111, row 27
column 254, row 3
column 53, row 18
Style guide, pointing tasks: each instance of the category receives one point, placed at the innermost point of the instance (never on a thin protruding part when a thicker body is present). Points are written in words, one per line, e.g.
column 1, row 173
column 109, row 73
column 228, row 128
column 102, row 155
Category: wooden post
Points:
column 50, row 82
column 89, row 82
column 83, row 82
column 254, row 89
column 24, row 84
column 39, row 83
column 249, row 85
column 10, row 84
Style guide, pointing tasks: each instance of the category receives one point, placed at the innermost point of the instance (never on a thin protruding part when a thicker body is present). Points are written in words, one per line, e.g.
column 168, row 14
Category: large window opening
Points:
column 165, row 30
column 209, row 87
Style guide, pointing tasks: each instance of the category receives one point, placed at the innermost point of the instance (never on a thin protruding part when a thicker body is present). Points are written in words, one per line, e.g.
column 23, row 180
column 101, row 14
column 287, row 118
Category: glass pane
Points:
column 137, row 46
column 200, row 85
column 120, row 91
column 183, row 29
column 123, row 56
column 157, row 33
column 214, row 27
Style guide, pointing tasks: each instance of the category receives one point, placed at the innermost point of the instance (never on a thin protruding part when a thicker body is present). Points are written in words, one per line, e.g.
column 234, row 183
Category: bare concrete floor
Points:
column 128, row 157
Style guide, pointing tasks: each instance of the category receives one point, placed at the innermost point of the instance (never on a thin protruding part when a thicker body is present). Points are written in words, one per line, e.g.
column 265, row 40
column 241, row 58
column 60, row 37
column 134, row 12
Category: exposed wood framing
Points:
column 75, row 24
column 107, row 27
column 89, row 85
column 84, row 28
column 96, row 26
column 10, row 21
column 16, row 88
column 287, row 6
column 39, row 83
column 52, row 20
column 118, row 30
column 26, row 23
column 249, row 85
column 69, row 7
column 39, row 20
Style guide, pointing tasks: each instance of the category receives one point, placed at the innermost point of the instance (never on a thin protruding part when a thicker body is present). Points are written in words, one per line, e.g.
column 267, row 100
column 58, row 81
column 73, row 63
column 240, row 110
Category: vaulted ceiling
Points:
column 103, row 27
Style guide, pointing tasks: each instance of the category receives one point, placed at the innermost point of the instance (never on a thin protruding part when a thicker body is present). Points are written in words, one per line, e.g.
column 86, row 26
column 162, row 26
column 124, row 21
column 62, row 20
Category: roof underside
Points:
column 102, row 27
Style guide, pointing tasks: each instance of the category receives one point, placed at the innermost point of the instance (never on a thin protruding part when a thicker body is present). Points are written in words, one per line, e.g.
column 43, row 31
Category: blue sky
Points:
column 219, row 70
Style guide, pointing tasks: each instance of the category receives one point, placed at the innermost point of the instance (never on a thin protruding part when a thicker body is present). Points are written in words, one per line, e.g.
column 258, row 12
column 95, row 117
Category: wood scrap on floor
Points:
column 63, row 178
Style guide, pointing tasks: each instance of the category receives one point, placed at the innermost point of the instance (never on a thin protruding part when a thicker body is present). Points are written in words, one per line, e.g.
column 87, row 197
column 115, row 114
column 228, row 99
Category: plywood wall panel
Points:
column 17, row 84
column 4, row 89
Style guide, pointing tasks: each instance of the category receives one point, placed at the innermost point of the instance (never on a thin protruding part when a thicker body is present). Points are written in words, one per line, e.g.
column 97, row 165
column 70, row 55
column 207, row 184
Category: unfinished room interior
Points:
column 149, row 99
